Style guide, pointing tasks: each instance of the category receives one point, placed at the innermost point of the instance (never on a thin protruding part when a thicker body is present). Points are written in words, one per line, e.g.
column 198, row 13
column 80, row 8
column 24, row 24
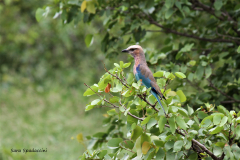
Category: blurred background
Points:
column 43, row 67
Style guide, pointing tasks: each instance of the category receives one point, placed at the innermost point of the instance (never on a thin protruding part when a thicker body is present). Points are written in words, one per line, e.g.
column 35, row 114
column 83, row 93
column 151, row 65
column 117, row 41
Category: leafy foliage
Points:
column 208, row 132
column 196, row 49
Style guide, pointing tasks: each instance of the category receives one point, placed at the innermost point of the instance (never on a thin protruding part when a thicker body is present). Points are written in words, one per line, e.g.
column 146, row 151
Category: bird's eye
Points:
column 132, row 49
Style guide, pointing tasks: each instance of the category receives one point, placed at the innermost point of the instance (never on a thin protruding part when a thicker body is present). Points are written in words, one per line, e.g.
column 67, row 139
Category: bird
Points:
column 143, row 73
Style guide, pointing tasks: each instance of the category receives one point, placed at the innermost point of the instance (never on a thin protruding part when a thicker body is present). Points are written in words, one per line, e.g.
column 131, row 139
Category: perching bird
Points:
column 143, row 73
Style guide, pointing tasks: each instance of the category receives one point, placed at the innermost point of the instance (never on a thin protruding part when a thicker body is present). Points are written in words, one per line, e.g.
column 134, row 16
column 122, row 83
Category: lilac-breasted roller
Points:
column 143, row 73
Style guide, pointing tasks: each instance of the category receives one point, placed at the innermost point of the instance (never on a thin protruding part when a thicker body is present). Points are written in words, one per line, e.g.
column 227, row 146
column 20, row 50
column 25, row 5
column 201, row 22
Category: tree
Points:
column 201, row 42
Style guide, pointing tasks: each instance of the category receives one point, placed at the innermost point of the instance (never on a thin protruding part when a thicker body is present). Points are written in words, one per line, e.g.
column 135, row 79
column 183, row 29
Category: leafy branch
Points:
column 194, row 141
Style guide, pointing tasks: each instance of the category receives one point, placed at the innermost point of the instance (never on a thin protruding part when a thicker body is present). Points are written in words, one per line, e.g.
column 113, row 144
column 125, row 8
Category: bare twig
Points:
column 167, row 30
column 225, row 102
column 101, row 97
column 127, row 149
column 130, row 114
column 212, row 85
column 168, row 80
column 195, row 86
column 116, row 77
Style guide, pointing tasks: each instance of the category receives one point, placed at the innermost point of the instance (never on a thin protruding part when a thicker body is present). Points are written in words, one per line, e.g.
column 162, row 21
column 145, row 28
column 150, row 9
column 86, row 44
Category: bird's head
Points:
column 134, row 50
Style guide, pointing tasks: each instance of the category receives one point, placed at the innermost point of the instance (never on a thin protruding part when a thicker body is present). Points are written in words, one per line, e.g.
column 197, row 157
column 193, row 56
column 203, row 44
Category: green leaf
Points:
column 91, row 7
column 183, row 112
column 135, row 85
column 177, row 145
column 169, row 13
column 238, row 49
column 217, row 151
column 158, row 74
column 145, row 137
column 145, row 121
column 223, row 110
column 169, row 145
column 205, row 122
column 116, row 65
column 196, row 119
column 128, row 92
column 199, row 72
column 187, row 48
column 216, row 119
column 112, row 112
column 236, row 151
column 170, row 76
column 136, row 133
column 170, row 155
column 181, row 123
column 181, row 95
column 161, row 123
column 172, row 124
column 126, row 65
column 89, row 92
column 39, row 14
column 179, row 54
column 138, row 148
column 95, row 102
column 114, row 99
column 188, row 144
column 169, row 3
column 218, row 4
column 190, row 77
column 126, row 111
column 114, row 142
column 102, row 154
column 216, row 130
column 89, row 40
column 208, row 71
column 128, row 144
column 160, row 154
column 202, row 115
column 190, row 111
column 193, row 156
column 220, row 144
column 158, row 143
column 192, row 63
column 151, row 123
column 180, row 75
column 89, row 107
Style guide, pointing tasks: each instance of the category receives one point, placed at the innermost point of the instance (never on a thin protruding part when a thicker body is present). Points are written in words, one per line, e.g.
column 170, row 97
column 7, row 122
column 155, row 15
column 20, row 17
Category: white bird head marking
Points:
column 134, row 50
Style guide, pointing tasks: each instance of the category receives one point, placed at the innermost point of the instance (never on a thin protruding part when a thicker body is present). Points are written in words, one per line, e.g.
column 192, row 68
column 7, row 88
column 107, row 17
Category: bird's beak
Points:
column 125, row 50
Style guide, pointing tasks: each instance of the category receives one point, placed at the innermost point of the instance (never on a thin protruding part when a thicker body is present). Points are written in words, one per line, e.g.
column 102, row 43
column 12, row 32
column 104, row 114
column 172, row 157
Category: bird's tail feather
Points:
column 160, row 103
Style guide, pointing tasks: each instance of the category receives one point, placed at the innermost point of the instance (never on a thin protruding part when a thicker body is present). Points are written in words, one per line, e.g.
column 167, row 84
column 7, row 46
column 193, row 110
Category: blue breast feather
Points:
column 145, row 80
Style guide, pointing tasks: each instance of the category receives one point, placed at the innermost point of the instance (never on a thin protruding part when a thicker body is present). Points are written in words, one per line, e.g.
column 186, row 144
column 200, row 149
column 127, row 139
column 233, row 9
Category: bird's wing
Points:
column 144, row 74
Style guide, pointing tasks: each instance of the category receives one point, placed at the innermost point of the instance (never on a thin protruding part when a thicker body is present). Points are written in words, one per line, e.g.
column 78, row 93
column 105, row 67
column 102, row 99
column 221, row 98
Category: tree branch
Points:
column 115, row 106
column 195, row 142
column 221, row 18
column 212, row 85
column 167, row 30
